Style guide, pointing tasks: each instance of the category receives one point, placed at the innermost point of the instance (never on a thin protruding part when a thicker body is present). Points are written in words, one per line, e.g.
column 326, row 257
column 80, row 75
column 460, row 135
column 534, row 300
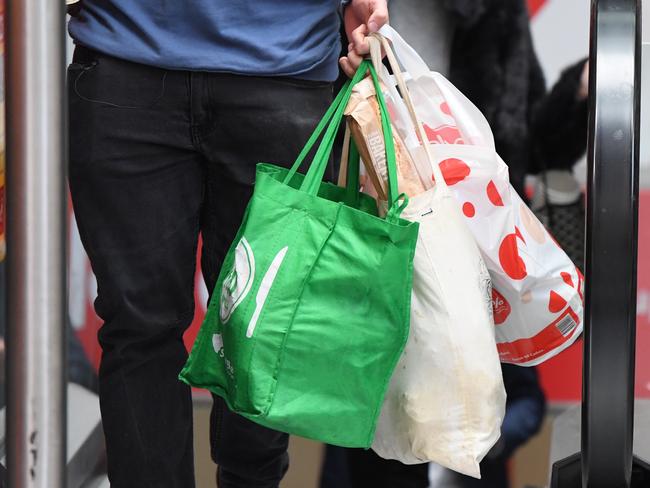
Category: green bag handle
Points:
column 352, row 183
column 395, row 208
column 321, row 159
column 349, row 167
column 346, row 89
column 332, row 119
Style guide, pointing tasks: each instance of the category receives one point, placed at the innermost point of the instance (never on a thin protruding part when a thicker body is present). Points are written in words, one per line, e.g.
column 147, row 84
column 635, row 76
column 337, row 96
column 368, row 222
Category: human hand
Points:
column 361, row 17
column 583, row 90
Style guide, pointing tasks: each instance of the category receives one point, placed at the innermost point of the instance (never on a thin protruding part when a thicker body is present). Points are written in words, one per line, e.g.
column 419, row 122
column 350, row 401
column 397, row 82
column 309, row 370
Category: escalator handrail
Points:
column 611, row 243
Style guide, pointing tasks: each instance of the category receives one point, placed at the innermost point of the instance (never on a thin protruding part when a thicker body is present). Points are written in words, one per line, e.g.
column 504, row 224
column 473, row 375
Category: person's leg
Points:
column 368, row 469
column 494, row 474
column 335, row 472
column 248, row 455
column 247, row 120
column 137, row 187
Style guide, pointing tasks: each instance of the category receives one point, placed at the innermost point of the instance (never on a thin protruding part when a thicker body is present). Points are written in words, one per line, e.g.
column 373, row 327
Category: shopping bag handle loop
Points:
column 377, row 41
column 325, row 120
column 349, row 177
column 396, row 210
column 411, row 60
column 332, row 120
column 350, row 161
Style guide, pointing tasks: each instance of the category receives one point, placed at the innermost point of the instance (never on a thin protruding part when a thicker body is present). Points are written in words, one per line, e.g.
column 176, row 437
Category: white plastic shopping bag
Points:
column 446, row 399
column 537, row 290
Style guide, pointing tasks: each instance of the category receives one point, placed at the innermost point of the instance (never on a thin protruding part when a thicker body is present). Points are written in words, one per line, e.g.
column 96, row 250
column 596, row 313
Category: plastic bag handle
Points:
column 377, row 41
column 475, row 126
column 411, row 60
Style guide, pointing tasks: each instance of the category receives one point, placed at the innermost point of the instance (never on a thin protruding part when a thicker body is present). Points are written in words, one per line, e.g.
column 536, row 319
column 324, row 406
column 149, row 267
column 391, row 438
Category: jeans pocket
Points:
column 75, row 69
column 116, row 83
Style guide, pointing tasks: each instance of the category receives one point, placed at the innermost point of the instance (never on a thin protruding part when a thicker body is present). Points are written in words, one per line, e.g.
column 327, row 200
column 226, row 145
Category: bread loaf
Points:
column 364, row 119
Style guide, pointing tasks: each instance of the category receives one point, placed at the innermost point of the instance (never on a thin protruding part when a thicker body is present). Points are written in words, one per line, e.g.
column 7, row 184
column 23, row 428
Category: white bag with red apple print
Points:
column 537, row 293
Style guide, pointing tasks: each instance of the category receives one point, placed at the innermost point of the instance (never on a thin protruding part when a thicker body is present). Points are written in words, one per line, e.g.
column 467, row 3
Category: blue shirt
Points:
column 250, row 37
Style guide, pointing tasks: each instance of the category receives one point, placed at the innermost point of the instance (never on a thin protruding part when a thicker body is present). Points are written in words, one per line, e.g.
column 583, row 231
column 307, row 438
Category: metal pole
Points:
column 611, row 244
column 35, row 100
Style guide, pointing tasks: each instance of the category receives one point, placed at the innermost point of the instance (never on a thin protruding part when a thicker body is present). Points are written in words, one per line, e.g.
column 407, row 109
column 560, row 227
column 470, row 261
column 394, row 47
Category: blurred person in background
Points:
column 171, row 106
column 485, row 48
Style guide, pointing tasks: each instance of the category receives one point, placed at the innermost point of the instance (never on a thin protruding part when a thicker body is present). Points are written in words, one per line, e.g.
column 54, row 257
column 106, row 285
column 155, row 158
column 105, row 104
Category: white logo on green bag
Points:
column 239, row 280
column 217, row 344
column 265, row 288
column 238, row 284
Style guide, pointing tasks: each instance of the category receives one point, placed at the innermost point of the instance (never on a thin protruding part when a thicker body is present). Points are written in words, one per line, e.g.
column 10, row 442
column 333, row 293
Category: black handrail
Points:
column 606, row 459
column 611, row 244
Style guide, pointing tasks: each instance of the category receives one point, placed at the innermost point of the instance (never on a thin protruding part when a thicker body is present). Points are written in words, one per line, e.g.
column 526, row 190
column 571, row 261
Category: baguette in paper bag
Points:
column 364, row 120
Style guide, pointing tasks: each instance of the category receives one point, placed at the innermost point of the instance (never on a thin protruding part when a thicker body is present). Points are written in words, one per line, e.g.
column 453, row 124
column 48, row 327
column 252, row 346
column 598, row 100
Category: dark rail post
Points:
column 606, row 459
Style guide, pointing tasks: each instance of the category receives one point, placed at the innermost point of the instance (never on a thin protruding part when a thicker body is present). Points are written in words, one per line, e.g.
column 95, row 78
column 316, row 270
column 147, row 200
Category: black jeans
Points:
column 157, row 157
column 367, row 469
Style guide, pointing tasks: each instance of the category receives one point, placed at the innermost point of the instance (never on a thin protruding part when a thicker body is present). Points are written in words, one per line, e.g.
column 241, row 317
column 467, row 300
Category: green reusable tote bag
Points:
column 311, row 310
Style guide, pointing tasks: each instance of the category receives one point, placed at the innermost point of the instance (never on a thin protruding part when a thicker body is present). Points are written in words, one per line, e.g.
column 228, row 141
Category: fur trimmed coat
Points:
column 493, row 62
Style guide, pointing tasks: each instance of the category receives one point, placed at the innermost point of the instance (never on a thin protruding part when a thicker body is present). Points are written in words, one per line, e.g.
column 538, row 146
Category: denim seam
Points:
column 194, row 126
